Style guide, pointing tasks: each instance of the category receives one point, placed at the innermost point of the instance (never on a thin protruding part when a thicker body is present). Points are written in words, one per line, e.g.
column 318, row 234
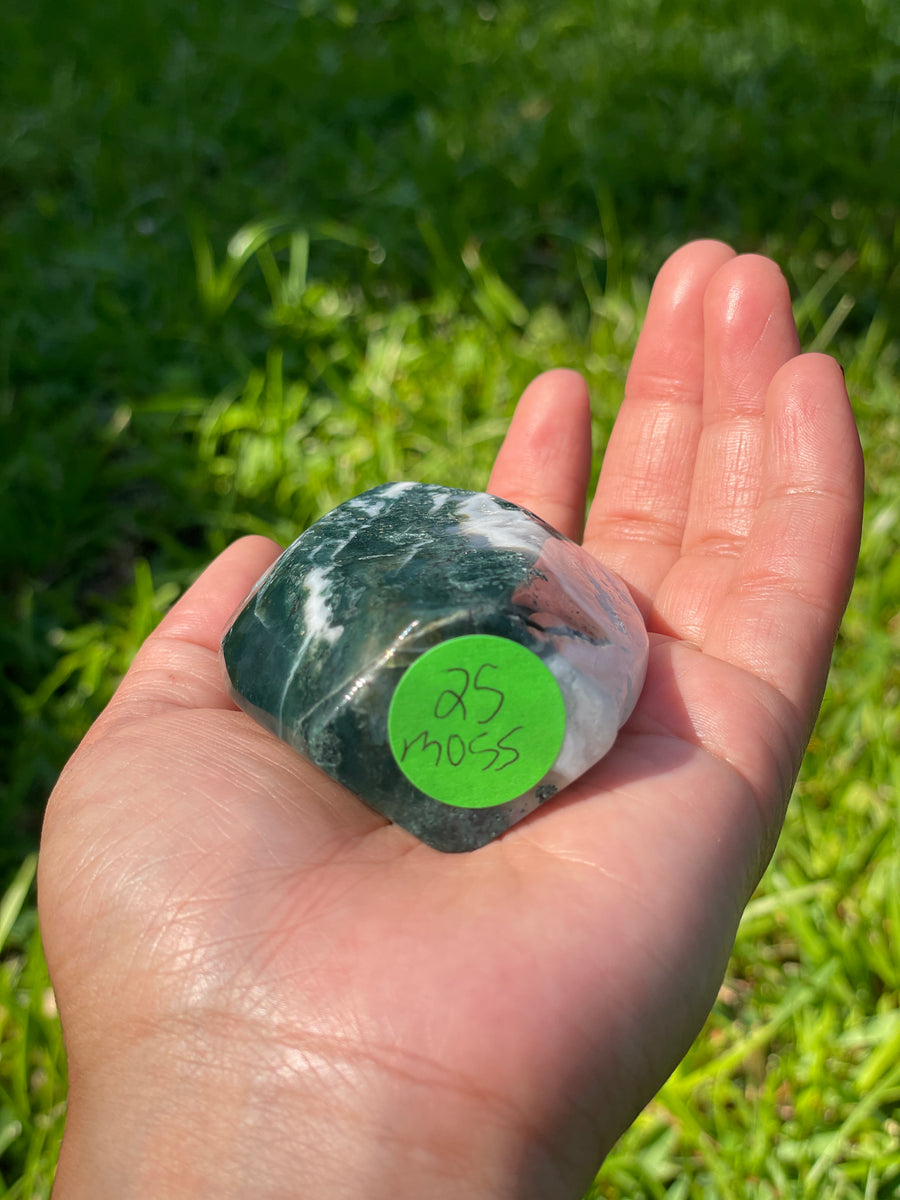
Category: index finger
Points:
column 545, row 459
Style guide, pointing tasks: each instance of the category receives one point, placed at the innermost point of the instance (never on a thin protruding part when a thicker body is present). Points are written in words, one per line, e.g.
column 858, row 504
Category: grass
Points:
column 32, row 1061
column 258, row 259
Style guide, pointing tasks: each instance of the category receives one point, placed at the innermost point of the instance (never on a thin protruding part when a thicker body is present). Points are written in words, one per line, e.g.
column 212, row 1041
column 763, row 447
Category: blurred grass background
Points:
column 257, row 258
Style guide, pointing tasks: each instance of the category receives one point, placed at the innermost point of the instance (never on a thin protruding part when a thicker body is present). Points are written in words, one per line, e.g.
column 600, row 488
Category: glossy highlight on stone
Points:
column 319, row 648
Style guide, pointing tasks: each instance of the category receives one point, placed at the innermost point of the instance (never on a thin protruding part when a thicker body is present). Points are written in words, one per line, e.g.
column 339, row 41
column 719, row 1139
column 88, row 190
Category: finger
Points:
column 178, row 664
column 545, row 460
column 749, row 334
column 782, row 609
column 203, row 613
column 637, row 520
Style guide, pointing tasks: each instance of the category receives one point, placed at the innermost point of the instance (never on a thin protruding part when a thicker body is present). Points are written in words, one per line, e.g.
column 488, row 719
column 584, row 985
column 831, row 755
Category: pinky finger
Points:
column 781, row 614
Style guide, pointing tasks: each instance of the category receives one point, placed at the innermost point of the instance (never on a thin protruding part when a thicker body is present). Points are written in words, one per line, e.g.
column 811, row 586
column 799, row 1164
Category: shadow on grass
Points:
column 431, row 152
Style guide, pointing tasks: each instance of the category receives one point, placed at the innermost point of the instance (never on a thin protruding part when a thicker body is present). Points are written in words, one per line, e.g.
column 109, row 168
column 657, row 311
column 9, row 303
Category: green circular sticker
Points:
column 476, row 721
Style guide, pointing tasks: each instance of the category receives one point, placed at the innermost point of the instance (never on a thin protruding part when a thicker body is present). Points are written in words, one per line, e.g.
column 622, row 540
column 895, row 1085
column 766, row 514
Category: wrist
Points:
column 204, row 1117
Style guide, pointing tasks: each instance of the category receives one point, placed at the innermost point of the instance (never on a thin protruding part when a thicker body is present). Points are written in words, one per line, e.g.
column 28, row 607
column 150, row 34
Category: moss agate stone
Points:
column 445, row 654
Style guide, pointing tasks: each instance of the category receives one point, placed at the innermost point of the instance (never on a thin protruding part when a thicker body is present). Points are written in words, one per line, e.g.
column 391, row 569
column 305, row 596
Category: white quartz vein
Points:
column 316, row 624
column 485, row 518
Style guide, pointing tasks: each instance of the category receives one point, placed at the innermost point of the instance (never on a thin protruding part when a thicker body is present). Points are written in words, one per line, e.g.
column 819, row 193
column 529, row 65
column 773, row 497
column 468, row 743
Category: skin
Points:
column 267, row 990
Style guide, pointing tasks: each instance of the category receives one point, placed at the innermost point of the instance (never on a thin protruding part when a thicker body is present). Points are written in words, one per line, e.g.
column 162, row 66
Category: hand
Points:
column 267, row 990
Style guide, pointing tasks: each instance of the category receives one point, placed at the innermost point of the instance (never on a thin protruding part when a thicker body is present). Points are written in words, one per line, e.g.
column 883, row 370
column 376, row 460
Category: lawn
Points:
column 258, row 258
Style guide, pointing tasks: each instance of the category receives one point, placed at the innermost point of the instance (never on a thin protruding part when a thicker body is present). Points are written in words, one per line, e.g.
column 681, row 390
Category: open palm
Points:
column 266, row 989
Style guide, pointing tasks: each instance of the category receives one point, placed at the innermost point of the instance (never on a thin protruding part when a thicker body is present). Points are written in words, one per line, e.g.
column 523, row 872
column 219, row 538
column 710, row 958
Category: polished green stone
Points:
column 318, row 649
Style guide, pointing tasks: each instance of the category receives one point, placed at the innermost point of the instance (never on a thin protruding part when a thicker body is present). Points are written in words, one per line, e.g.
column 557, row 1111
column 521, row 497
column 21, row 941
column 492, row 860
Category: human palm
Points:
column 267, row 989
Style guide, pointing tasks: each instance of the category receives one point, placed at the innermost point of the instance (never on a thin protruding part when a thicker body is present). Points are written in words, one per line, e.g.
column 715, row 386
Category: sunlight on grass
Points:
column 463, row 196
column 32, row 1062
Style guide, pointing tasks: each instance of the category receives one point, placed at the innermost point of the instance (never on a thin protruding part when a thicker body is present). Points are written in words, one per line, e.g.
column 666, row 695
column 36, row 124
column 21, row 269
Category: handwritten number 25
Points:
column 449, row 699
